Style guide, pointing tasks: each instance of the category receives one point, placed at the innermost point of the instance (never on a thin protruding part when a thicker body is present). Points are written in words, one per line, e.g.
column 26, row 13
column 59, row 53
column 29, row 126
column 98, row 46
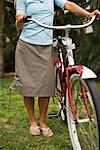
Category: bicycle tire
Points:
column 85, row 134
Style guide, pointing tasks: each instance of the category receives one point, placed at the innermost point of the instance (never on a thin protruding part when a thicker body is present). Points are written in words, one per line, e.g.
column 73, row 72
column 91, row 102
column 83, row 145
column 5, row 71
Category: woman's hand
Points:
column 19, row 22
column 19, row 17
column 95, row 12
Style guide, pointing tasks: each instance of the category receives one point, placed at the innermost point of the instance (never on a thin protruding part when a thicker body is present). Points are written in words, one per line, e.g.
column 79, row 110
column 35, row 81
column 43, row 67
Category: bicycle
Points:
column 76, row 92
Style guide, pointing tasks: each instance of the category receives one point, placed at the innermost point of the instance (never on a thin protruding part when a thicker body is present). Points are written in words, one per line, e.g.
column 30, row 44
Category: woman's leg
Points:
column 43, row 106
column 29, row 104
column 43, row 103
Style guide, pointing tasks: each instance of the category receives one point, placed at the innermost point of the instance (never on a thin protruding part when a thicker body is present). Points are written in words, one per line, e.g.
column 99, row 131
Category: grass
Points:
column 14, row 124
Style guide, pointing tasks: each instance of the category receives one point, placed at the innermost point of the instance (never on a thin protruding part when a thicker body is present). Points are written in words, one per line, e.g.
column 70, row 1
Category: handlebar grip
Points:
column 25, row 18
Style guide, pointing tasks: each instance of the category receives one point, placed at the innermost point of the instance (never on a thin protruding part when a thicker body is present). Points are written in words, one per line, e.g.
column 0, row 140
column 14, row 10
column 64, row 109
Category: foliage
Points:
column 10, row 35
column 95, row 4
column 89, row 51
column 9, row 55
column 1, row 38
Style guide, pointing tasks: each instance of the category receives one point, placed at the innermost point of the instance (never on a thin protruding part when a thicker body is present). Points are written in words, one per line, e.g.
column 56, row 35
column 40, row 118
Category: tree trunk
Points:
column 1, row 38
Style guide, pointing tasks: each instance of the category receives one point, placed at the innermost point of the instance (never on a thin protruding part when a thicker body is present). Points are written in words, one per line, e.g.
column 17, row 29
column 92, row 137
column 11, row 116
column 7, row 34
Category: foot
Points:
column 35, row 129
column 46, row 131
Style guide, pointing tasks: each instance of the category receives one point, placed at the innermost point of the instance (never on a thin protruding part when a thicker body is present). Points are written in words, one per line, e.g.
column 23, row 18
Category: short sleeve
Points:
column 60, row 3
column 20, row 6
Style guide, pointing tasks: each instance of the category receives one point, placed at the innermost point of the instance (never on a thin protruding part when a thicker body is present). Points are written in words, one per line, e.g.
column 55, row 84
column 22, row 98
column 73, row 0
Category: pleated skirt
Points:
column 34, row 70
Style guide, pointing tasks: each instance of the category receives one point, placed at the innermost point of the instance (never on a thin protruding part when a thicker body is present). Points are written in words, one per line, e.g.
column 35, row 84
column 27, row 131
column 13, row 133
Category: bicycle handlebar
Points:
column 68, row 26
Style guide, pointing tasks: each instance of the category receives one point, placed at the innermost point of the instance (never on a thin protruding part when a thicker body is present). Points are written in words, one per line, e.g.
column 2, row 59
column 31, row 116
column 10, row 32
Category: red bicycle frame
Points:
column 65, row 81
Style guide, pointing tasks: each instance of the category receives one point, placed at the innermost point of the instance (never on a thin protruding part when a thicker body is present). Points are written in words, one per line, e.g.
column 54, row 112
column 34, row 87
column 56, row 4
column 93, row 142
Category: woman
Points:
column 34, row 58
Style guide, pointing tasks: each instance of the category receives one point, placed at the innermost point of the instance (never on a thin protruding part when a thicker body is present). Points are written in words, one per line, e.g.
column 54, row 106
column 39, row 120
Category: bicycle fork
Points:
column 70, row 94
column 85, row 100
column 79, row 70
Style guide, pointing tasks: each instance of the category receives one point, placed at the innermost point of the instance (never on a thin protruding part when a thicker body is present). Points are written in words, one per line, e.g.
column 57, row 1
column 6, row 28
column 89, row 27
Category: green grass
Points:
column 14, row 125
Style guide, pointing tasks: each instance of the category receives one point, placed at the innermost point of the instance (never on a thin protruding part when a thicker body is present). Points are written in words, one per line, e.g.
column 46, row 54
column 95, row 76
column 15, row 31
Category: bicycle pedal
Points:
column 53, row 115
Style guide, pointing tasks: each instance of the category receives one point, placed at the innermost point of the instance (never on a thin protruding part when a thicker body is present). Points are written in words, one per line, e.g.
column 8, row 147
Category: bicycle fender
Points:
column 88, row 73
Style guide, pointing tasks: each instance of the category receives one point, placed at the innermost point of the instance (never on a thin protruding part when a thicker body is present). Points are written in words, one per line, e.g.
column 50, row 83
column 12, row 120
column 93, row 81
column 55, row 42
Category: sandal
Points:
column 35, row 130
column 47, row 132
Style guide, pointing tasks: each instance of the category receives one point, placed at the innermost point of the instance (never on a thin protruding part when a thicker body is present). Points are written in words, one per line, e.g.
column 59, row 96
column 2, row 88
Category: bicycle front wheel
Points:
column 84, row 132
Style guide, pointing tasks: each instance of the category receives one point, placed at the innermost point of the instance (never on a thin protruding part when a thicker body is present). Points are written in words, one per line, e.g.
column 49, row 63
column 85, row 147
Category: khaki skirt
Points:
column 34, row 70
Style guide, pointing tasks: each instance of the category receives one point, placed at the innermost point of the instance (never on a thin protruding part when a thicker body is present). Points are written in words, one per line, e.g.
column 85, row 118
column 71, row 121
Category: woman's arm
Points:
column 74, row 8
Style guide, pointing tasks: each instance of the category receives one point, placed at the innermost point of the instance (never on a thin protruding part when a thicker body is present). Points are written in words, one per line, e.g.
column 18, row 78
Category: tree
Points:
column 10, row 36
column 1, row 38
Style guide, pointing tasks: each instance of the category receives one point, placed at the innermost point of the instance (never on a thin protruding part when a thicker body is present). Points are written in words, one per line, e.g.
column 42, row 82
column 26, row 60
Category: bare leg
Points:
column 43, row 106
column 43, row 103
column 29, row 104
